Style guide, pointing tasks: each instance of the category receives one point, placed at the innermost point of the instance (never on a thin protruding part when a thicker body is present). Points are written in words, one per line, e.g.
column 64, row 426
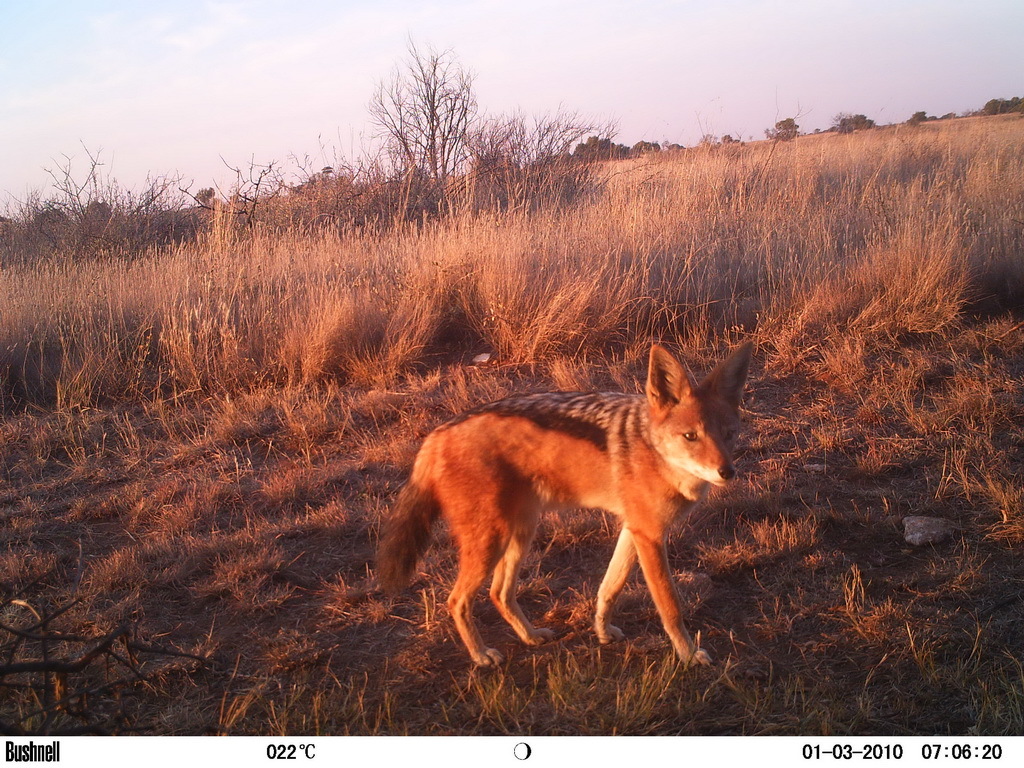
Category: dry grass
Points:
column 878, row 236
column 203, row 442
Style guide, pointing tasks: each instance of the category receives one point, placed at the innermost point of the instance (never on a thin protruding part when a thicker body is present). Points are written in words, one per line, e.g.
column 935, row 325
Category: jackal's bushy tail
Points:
column 405, row 536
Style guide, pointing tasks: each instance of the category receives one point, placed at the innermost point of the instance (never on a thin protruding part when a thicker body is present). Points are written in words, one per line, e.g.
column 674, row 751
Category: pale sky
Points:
column 175, row 87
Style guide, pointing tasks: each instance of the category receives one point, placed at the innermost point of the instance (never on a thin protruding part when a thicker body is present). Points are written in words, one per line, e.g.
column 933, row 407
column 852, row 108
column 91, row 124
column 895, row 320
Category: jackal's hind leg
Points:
column 504, row 587
column 476, row 559
column 622, row 562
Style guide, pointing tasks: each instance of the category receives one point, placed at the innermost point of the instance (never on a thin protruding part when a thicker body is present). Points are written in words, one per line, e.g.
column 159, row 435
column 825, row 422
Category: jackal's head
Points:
column 694, row 426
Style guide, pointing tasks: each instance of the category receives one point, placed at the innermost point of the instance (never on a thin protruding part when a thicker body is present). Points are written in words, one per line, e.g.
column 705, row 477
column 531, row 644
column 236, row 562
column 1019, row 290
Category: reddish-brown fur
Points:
column 492, row 471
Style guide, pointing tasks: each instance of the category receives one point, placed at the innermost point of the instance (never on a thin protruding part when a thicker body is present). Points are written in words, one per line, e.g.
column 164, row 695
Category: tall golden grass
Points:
column 874, row 235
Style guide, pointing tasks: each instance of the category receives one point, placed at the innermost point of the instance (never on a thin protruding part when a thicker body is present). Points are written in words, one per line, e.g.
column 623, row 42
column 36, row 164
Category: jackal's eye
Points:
column 691, row 436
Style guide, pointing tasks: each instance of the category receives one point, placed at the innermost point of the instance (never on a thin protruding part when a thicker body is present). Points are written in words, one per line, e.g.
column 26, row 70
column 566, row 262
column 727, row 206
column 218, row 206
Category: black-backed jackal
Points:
column 492, row 470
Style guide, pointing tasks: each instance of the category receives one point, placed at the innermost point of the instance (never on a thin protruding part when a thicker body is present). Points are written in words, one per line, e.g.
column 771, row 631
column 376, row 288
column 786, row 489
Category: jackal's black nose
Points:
column 727, row 472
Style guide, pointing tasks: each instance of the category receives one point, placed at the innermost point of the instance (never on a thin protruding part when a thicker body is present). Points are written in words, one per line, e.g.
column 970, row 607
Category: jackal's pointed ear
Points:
column 668, row 382
column 730, row 375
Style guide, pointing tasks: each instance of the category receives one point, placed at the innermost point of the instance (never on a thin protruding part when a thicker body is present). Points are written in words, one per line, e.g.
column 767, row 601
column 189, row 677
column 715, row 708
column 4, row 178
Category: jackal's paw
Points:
column 539, row 636
column 609, row 633
column 489, row 657
column 700, row 656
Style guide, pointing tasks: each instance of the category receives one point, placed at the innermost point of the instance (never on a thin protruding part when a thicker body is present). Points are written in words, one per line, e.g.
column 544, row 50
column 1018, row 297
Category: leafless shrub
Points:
column 64, row 683
column 256, row 186
column 517, row 161
column 91, row 215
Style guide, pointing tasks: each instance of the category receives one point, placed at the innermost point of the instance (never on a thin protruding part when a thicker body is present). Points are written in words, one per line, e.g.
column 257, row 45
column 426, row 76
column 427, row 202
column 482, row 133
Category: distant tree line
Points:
column 846, row 123
column 1003, row 106
column 598, row 148
column 784, row 130
column 787, row 129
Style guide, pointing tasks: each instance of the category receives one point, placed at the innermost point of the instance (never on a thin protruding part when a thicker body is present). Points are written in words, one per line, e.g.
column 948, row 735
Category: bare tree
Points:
column 424, row 112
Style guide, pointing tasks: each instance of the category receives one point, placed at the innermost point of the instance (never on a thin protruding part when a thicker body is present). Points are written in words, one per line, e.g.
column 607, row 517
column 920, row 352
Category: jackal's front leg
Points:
column 622, row 562
column 654, row 562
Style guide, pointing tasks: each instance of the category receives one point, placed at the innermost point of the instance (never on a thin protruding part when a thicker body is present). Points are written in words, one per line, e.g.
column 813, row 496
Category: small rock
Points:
column 918, row 530
column 482, row 359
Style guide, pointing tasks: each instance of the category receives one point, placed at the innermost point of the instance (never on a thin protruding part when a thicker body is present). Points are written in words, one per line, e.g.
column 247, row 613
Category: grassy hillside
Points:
column 199, row 442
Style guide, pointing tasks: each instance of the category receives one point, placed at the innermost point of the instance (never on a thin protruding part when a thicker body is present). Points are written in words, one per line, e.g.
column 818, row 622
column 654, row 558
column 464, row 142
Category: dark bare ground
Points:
column 243, row 531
